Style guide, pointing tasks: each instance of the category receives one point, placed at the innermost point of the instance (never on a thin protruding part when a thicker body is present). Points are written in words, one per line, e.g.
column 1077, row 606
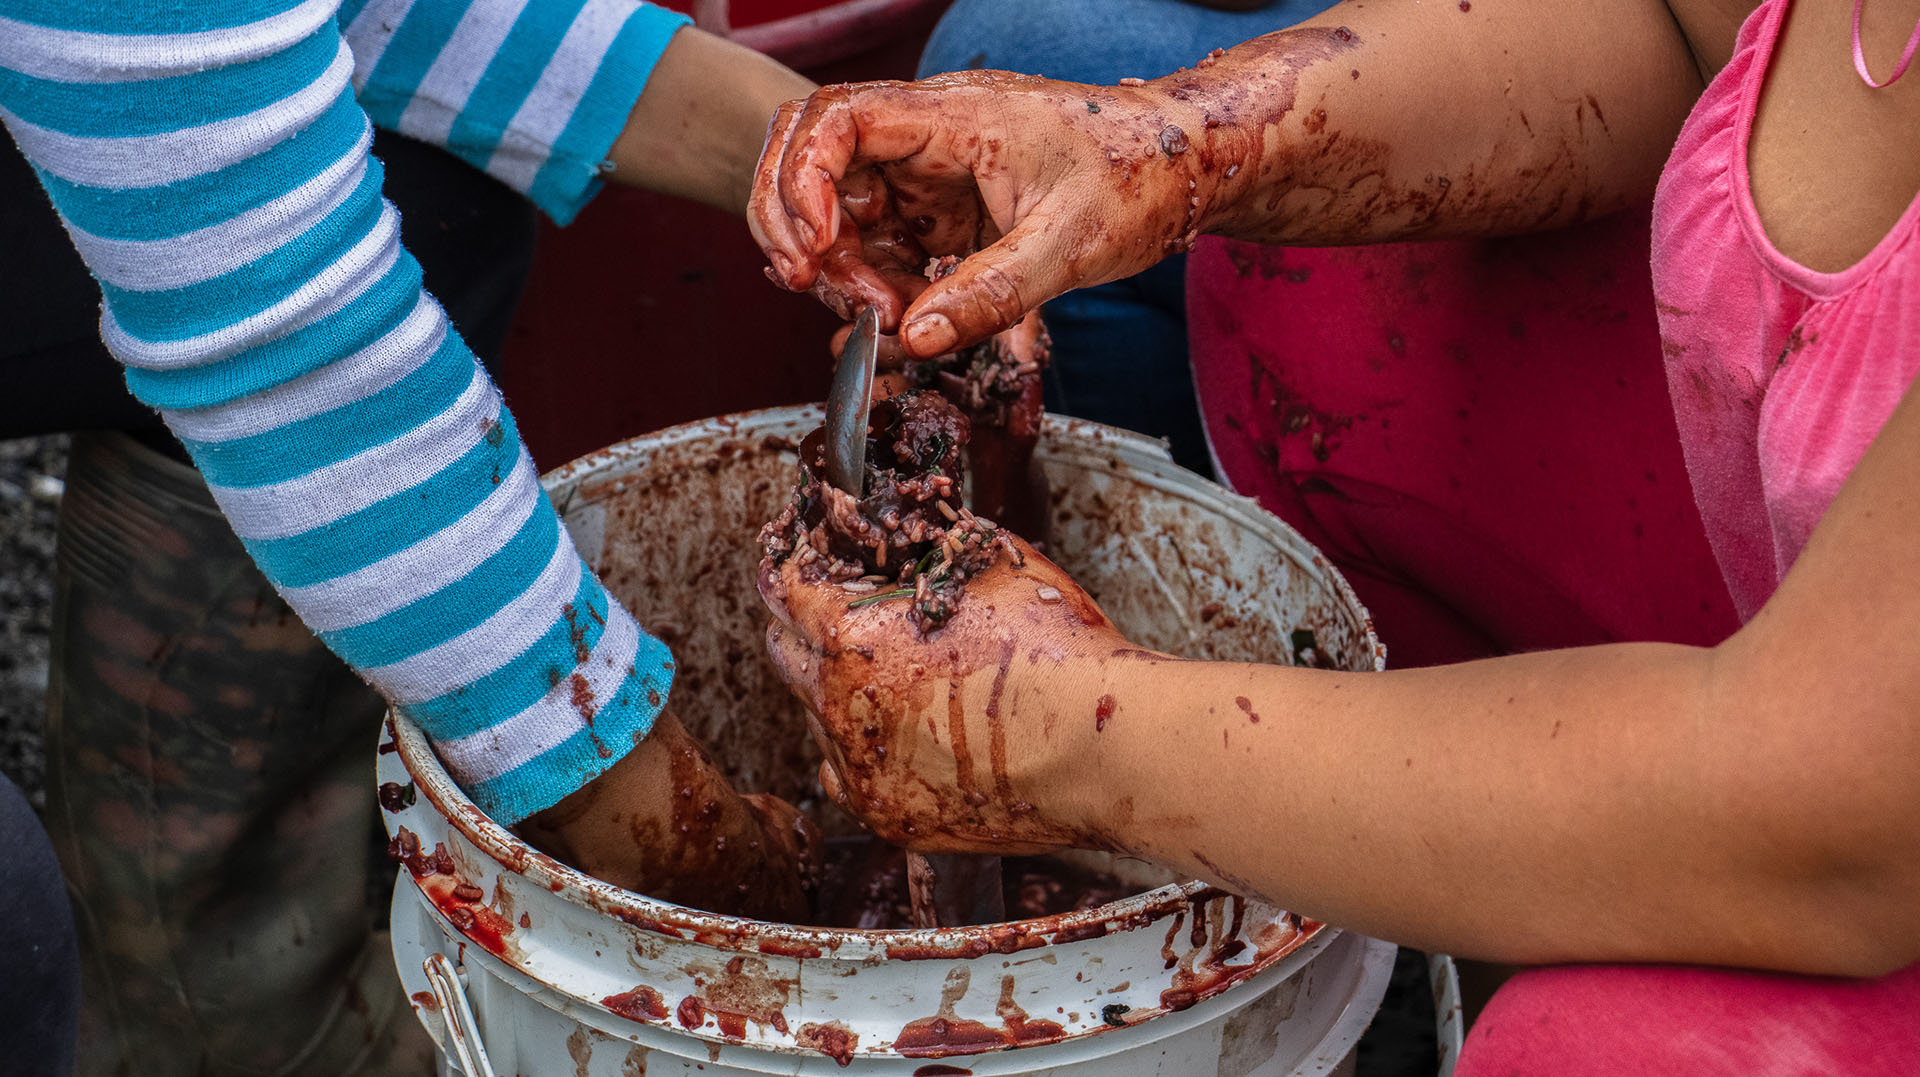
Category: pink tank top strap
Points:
column 1860, row 54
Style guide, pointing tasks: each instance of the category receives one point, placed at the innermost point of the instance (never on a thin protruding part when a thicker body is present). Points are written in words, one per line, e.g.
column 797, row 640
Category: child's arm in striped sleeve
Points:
column 211, row 164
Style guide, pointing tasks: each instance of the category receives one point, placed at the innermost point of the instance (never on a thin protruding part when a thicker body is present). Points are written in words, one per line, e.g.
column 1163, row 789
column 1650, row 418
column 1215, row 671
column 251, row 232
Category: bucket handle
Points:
column 463, row 1033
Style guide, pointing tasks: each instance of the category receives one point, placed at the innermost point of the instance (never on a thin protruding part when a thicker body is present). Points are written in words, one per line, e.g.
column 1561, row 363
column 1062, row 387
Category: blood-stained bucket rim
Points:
column 766, row 937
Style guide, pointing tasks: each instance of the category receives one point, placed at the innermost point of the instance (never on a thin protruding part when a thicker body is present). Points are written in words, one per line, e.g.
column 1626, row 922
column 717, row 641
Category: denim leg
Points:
column 40, row 989
column 1119, row 349
column 1120, row 358
column 1099, row 41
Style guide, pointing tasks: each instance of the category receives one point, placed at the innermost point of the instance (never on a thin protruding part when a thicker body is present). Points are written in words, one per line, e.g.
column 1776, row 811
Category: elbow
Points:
column 1865, row 947
column 1841, row 921
column 1831, row 849
column 1873, row 969
column 1810, row 780
column 1868, row 894
column 1850, row 874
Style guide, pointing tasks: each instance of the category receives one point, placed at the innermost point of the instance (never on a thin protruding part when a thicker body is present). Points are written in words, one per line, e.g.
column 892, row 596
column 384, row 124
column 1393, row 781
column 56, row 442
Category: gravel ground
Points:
column 30, row 488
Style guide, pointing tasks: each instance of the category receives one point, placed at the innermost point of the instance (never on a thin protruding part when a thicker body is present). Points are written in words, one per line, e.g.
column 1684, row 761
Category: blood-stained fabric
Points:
column 1477, row 434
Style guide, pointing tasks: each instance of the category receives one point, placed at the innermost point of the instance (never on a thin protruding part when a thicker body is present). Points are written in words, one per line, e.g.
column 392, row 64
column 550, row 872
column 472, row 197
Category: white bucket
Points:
column 518, row 964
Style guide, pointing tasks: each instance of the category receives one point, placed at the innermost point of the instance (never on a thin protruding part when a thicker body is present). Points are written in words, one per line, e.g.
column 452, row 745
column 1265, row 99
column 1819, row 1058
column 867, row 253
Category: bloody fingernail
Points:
column 930, row 335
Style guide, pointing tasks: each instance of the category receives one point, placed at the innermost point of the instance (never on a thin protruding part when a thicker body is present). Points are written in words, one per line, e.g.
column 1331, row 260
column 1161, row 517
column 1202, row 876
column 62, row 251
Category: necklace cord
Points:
column 1860, row 55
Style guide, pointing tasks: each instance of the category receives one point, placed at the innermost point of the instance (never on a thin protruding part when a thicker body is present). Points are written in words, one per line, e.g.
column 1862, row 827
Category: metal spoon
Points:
column 848, row 403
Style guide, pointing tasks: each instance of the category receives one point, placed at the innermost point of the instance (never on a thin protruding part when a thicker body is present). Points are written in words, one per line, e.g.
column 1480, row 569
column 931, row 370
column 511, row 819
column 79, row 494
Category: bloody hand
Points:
column 965, row 738
column 1047, row 186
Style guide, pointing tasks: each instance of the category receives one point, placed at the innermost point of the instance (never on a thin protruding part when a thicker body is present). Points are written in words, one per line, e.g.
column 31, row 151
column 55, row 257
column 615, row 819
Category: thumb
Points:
column 794, row 661
column 830, row 784
column 990, row 291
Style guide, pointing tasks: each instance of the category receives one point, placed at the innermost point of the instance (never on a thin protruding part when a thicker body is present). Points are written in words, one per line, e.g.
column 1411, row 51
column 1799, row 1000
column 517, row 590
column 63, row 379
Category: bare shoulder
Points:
column 1834, row 162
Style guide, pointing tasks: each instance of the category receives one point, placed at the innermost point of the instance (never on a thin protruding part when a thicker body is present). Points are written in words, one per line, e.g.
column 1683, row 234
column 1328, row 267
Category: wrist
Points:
column 1134, row 743
column 1212, row 156
column 1248, row 105
column 664, row 821
column 1094, row 720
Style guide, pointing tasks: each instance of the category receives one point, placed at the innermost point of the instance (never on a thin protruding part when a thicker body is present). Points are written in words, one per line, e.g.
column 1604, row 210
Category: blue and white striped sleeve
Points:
column 532, row 91
column 211, row 165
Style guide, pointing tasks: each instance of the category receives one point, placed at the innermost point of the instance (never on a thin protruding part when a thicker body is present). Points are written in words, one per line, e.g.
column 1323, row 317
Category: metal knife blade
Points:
column 848, row 403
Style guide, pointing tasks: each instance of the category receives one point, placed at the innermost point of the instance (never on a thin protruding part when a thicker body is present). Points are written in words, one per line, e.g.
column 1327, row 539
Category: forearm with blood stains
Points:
column 1384, row 122
column 1367, row 123
column 665, row 822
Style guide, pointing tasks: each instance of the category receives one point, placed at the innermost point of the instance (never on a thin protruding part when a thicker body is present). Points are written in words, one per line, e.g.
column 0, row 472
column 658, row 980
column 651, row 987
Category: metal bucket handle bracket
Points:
column 463, row 1032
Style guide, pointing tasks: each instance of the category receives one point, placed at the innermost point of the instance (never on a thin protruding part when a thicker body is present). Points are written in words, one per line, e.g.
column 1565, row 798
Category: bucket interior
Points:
column 671, row 522
column 564, row 966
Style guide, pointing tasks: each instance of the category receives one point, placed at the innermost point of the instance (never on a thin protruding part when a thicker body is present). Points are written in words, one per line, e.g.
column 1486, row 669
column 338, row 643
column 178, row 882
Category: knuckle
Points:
column 996, row 292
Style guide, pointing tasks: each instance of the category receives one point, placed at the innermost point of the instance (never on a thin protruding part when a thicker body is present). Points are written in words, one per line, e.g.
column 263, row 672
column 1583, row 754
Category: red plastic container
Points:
column 649, row 311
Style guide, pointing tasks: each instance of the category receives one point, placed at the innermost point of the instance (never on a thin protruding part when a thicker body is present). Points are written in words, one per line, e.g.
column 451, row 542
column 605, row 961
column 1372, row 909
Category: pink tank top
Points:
column 1780, row 375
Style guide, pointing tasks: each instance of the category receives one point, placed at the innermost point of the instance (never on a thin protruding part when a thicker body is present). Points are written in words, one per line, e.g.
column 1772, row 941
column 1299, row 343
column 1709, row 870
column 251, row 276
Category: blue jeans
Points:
column 1119, row 349
column 39, row 961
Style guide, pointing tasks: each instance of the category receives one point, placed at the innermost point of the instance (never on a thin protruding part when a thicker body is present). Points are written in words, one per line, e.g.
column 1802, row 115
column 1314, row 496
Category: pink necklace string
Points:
column 1860, row 55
